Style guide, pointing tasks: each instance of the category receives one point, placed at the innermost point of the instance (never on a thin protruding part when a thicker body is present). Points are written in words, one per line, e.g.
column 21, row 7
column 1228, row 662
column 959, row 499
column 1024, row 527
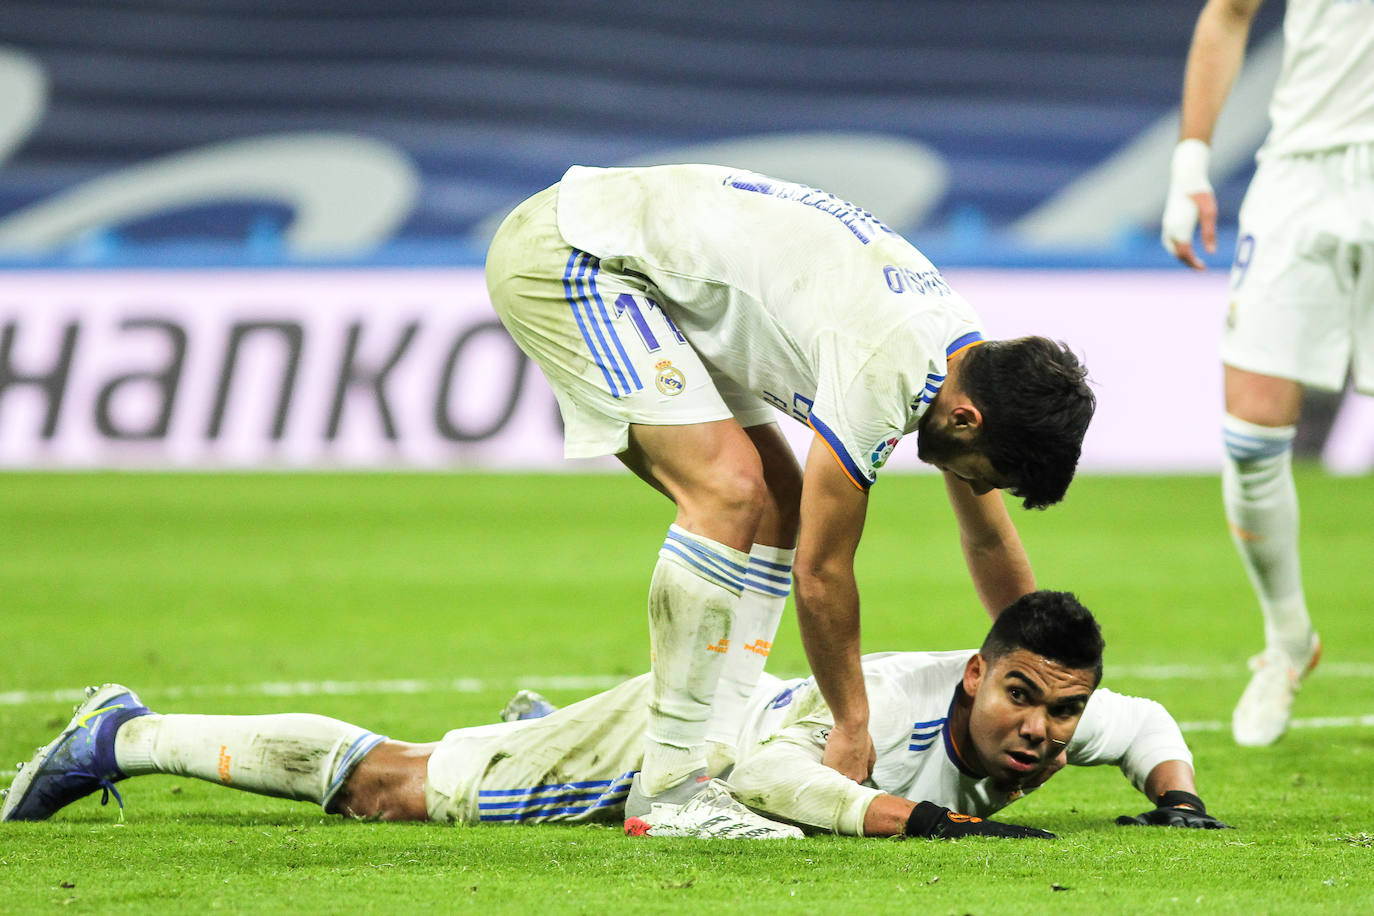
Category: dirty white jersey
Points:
column 795, row 295
column 1325, row 93
column 910, row 697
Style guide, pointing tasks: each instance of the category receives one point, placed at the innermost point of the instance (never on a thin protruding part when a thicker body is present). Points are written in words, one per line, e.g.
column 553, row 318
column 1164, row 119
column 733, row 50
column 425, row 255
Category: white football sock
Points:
column 1262, row 509
column 692, row 598
column 293, row 755
column 766, row 586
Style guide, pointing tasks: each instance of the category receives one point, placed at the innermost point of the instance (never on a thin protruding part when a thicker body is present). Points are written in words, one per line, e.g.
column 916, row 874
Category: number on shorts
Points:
column 627, row 303
column 1245, row 250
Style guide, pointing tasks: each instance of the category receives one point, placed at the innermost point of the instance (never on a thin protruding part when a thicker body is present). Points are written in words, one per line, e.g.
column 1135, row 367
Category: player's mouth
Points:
column 1022, row 761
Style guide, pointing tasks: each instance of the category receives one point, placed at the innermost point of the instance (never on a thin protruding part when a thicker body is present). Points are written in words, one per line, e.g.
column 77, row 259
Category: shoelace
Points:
column 106, row 787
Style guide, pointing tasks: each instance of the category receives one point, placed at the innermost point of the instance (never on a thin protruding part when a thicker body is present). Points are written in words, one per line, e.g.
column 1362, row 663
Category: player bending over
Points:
column 963, row 731
column 675, row 310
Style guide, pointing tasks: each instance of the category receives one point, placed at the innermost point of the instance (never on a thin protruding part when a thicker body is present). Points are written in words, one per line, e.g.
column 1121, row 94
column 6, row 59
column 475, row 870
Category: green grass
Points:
column 176, row 582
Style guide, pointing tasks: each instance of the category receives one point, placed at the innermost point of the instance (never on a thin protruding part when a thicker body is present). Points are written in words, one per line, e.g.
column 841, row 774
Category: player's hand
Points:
column 934, row 822
column 1189, row 201
column 851, row 754
column 1174, row 816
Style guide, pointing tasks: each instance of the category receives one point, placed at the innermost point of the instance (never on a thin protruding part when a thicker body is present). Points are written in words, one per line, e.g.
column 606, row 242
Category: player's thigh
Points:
column 1291, row 290
column 710, row 470
column 782, row 474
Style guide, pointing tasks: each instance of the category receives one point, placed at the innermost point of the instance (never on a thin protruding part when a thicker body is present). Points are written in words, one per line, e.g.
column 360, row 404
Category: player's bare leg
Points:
column 1262, row 510
column 388, row 785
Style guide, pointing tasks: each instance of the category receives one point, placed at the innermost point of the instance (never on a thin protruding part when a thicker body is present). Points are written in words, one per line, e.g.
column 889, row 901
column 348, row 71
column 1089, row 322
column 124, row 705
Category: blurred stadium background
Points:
column 247, row 233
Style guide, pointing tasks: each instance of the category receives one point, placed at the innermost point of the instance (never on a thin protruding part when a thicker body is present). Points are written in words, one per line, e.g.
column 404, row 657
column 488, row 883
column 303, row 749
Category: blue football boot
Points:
column 526, row 704
column 78, row 761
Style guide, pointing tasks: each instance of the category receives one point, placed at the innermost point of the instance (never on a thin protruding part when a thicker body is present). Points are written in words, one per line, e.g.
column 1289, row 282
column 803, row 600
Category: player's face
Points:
column 948, row 446
column 1023, row 704
column 975, row 470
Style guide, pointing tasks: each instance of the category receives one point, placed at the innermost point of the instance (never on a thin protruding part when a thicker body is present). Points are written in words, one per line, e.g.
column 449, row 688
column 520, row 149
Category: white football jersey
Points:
column 797, row 296
column 1325, row 94
column 910, row 697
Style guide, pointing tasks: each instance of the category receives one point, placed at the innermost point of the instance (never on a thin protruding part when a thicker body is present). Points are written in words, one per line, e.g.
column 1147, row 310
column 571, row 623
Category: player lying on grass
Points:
column 963, row 731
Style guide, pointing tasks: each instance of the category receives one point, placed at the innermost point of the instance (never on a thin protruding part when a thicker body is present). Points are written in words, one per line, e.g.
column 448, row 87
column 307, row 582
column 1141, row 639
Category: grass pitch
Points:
column 320, row 593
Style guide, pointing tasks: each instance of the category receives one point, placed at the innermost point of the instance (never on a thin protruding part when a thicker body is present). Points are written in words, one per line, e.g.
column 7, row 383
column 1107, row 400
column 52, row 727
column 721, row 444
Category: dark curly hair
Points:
column 1054, row 625
column 1034, row 397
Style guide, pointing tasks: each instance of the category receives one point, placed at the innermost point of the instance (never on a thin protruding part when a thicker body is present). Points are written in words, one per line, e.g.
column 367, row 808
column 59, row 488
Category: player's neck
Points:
column 960, row 739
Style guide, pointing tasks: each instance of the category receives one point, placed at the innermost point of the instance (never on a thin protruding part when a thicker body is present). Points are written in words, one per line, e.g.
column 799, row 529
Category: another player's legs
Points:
column 766, row 586
column 1262, row 510
column 712, row 473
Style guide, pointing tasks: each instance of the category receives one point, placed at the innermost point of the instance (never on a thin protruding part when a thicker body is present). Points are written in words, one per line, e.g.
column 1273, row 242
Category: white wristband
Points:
column 1188, row 171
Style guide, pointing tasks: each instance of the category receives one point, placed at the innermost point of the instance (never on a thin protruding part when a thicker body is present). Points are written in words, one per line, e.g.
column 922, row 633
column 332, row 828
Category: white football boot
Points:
column 1261, row 716
column 711, row 813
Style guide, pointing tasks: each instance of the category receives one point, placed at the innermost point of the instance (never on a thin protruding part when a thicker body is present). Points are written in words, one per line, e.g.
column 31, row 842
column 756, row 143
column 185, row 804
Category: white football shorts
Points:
column 572, row 765
column 611, row 353
column 1302, row 283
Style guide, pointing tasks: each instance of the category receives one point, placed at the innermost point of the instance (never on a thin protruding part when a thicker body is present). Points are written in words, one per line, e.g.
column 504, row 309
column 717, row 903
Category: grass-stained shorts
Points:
column 1302, row 284
column 599, row 333
column 572, row 765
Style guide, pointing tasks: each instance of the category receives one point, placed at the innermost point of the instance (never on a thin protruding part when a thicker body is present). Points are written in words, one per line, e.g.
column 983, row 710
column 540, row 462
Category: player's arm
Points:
column 833, row 508
column 1176, row 802
column 1141, row 737
column 1214, row 58
column 785, row 778
column 996, row 560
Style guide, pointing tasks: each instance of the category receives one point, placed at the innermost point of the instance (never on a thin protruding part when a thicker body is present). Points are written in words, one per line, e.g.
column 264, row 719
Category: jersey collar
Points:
column 951, row 746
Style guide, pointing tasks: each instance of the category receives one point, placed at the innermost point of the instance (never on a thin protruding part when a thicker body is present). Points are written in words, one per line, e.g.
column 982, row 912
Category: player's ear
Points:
column 974, row 670
column 965, row 418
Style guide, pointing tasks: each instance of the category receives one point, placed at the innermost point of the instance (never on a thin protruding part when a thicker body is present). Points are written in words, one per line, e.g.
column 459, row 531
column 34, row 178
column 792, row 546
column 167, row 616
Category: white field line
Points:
column 601, row 682
column 1338, row 670
column 1318, row 722
column 329, row 688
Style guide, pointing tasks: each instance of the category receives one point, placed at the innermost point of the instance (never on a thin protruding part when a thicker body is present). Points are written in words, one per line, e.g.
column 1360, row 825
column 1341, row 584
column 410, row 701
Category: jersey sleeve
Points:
column 864, row 403
column 784, row 777
column 1133, row 733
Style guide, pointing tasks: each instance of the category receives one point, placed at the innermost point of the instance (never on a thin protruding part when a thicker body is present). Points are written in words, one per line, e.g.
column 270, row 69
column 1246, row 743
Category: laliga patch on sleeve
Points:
column 880, row 452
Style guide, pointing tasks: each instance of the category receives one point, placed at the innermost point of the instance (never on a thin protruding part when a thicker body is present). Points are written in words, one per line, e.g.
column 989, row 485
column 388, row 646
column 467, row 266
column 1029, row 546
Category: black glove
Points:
column 932, row 821
column 1169, row 814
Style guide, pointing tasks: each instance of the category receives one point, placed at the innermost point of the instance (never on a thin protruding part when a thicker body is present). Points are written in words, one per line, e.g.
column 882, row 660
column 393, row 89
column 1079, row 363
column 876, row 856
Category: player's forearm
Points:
column 1214, row 59
column 828, row 617
column 787, row 780
column 887, row 816
column 996, row 560
column 827, row 596
column 1001, row 573
column 1170, row 776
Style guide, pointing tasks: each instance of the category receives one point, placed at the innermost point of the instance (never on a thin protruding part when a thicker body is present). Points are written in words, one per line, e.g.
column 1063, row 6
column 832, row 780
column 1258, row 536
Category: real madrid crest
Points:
column 670, row 380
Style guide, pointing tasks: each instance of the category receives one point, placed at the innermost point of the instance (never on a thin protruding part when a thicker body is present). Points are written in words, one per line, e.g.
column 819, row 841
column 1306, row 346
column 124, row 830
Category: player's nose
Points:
column 1034, row 727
